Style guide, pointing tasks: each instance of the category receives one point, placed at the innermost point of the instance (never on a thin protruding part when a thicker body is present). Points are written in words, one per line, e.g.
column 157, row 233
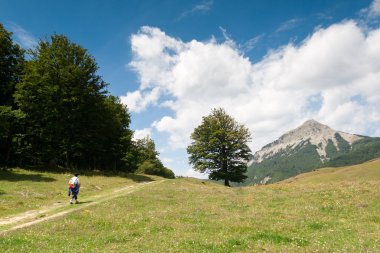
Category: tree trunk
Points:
column 225, row 166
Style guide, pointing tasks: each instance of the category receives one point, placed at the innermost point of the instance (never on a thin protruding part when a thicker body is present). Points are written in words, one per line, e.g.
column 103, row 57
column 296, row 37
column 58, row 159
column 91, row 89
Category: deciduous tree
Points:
column 219, row 147
column 11, row 65
column 70, row 120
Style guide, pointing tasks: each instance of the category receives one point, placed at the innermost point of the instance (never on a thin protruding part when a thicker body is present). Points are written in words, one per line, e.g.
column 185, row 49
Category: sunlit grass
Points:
column 188, row 215
column 23, row 190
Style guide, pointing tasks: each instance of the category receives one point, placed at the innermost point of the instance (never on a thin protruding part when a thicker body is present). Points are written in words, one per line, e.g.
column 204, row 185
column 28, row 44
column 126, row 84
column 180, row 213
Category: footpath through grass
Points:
column 188, row 215
column 23, row 190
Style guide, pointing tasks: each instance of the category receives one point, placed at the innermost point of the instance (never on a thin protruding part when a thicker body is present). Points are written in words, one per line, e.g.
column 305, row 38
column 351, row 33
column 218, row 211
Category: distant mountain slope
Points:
column 367, row 171
column 310, row 146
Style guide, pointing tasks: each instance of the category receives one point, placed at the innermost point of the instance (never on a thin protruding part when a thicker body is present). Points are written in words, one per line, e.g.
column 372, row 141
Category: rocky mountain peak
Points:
column 309, row 129
column 311, row 132
column 311, row 123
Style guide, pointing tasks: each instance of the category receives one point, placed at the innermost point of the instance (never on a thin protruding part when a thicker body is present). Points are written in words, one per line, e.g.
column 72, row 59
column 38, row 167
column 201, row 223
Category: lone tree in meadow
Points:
column 219, row 147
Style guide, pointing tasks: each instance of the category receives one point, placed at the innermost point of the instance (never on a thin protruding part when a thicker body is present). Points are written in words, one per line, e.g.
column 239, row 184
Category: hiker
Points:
column 74, row 186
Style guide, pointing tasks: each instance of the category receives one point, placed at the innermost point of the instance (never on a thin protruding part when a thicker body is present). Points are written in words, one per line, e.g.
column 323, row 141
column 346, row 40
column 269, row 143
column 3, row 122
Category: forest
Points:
column 56, row 112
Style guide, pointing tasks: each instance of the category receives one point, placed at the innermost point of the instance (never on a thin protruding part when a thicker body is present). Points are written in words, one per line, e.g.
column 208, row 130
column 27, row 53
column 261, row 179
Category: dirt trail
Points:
column 30, row 218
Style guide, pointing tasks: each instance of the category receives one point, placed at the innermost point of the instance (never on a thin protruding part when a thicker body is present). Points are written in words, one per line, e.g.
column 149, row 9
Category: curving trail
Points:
column 30, row 218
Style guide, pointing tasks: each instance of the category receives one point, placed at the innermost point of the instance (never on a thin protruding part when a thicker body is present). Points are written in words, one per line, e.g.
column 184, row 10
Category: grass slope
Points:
column 23, row 190
column 305, row 158
column 284, row 165
column 362, row 150
column 328, row 210
column 364, row 173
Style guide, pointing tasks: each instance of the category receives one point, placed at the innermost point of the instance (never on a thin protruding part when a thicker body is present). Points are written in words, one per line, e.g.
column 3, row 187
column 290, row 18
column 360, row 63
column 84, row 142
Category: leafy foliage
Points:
column 219, row 147
column 69, row 119
column 11, row 65
column 154, row 168
column 55, row 110
column 148, row 161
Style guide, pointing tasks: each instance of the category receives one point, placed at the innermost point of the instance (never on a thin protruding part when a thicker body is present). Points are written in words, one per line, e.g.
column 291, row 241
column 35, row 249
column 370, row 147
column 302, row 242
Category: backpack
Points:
column 73, row 182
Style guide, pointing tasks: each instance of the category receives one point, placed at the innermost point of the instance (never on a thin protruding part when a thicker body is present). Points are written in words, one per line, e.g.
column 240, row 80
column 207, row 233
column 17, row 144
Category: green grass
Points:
column 23, row 190
column 323, row 211
column 368, row 171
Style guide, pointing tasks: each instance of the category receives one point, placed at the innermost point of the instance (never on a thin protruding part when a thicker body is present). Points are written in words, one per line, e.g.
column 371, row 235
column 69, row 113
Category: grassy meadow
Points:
column 328, row 210
column 23, row 190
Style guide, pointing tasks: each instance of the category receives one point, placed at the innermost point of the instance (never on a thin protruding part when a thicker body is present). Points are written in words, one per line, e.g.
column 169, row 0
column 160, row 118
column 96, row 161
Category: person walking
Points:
column 74, row 185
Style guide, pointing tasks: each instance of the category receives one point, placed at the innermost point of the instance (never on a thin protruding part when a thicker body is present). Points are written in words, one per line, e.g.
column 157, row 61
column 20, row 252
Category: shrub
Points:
column 152, row 168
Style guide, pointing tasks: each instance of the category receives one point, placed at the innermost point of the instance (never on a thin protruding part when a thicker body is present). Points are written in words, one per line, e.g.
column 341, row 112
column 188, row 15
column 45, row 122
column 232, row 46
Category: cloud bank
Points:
column 332, row 76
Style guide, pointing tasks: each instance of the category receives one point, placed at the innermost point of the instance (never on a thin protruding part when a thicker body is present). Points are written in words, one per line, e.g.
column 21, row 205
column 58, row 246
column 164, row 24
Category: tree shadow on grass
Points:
column 8, row 175
column 134, row 177
column 139, row 178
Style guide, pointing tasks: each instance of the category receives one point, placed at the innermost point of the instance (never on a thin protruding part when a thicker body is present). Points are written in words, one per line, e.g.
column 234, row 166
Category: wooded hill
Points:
column 55, row 110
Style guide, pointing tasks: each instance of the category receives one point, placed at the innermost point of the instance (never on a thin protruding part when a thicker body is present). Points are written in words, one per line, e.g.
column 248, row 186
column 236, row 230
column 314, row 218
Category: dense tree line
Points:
column 55, row 110
column 11, row 66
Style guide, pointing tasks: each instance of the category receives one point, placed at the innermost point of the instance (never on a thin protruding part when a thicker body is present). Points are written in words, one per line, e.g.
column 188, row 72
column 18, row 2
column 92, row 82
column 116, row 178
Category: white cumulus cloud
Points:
column 142, row 133
column 374, row 9
column 332, row 76
column 138, row 101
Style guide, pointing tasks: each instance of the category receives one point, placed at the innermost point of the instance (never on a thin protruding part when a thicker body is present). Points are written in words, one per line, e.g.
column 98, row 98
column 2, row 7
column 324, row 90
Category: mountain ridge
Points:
column 310, row 146
column 317, row 133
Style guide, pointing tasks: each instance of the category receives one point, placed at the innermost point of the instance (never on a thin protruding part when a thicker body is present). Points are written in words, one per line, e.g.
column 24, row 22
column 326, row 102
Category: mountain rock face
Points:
column 310, row 146
column 311, row 132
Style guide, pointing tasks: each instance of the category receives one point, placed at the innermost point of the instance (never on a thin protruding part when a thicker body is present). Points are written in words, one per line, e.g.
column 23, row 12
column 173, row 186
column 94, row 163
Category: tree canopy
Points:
column 147, row 157
column 69, row 119
column 219, row 147
column 55, row 110
column 11, row 66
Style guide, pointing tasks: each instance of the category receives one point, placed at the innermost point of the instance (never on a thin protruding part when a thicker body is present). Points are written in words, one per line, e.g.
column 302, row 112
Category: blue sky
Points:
column 270, row 64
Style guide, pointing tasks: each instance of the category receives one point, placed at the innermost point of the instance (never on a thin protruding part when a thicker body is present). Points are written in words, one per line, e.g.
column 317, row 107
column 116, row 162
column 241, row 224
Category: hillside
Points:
column 328, row 210
column 366, row 172
column 308, row 147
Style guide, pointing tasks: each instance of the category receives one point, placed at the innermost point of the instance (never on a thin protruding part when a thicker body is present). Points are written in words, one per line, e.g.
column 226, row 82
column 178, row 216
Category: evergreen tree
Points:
column 219, row 147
